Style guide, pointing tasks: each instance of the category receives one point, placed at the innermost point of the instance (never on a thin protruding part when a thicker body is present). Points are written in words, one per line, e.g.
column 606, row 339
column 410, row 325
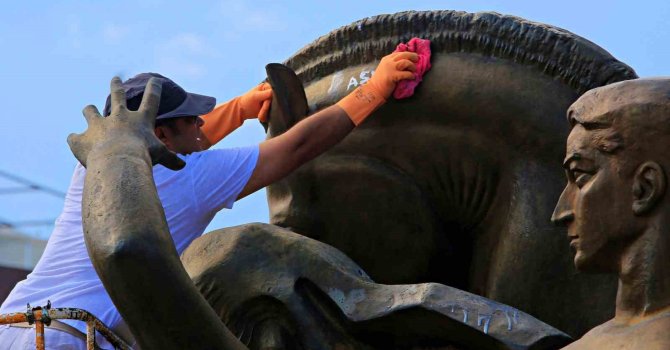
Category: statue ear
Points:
column 289, row 103
column 648, row 187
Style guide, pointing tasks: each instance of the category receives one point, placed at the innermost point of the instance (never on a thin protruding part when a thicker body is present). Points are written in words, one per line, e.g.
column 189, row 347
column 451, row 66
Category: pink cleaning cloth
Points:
column 405, row 88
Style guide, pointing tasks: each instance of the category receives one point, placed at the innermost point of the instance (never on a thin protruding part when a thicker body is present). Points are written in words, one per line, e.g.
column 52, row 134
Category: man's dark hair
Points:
column 553, row 51
column 171, row 123
column 133, row 104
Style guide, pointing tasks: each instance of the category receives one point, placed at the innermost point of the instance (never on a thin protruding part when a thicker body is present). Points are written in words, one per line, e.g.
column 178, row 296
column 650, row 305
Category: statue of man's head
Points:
column 617, row 155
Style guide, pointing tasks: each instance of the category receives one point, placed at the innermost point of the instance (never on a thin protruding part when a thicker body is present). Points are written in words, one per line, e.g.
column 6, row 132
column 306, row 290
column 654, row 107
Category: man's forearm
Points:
column 306, row 140
column 318, row 133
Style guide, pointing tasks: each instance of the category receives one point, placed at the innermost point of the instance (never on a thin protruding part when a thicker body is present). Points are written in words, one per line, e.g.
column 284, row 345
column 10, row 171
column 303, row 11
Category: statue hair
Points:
column 556, row 52
column 632, row 114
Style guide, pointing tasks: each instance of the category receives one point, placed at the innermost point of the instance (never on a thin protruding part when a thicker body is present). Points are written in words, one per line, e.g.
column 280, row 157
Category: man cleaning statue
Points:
column 187, row 124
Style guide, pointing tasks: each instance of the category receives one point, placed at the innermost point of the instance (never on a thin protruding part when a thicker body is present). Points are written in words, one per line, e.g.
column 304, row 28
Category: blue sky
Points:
column 58, row 57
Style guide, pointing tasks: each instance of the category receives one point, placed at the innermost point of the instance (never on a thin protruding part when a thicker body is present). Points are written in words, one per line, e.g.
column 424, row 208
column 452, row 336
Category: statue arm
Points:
column 126, row 233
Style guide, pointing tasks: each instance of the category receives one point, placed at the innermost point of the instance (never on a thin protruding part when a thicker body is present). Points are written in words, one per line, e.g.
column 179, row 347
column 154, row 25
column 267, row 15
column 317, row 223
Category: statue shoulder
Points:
column 648, row 334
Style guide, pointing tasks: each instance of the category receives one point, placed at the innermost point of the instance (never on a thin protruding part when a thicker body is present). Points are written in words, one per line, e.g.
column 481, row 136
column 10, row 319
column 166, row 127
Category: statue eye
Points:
column 581, row 178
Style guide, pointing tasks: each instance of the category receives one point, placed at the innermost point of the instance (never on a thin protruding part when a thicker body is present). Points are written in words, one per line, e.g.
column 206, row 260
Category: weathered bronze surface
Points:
column 615, row 206
column 456, row 184
column 293, row 292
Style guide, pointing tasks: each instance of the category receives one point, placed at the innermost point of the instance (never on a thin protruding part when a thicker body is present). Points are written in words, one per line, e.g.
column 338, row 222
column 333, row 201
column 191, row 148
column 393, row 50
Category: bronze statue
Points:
column 459, row 181
column 456, row 184
column 615, row 206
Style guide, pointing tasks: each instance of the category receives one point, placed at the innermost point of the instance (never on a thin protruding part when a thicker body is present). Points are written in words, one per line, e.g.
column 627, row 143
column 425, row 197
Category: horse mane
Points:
column 556, row 52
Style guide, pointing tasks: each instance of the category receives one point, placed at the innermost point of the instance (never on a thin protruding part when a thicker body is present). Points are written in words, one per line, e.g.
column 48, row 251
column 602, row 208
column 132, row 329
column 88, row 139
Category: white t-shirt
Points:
column 191, row 197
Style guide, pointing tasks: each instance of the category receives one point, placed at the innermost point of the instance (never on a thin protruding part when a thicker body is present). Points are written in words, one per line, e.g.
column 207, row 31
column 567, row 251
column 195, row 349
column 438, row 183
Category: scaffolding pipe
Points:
column 42, row 316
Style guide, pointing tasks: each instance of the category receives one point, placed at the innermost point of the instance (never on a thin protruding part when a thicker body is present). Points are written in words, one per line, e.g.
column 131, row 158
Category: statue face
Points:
column 596, row 203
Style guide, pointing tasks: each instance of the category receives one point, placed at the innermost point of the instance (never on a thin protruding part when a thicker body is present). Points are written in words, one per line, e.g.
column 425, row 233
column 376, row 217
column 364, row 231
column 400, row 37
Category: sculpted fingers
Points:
column 91, row 114
column 76, row 143
column 172, row 162
column 118, row 95
column 151, row 100
column 162, row 155
column 73, row 140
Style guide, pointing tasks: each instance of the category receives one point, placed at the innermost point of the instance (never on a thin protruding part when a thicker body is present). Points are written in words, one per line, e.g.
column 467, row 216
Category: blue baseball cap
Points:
column 175, row 101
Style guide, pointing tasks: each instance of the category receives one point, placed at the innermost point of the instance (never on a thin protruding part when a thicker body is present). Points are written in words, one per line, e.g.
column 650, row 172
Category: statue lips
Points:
column 574, row 241
column 572, row 237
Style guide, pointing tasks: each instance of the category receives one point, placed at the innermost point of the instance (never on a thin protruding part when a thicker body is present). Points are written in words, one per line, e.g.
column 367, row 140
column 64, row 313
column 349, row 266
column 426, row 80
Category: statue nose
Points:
column 563, row 213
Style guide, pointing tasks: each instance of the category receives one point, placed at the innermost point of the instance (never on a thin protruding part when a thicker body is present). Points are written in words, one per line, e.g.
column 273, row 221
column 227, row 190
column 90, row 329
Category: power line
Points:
column 25, row 223
column 29, row 186
column 25, row 186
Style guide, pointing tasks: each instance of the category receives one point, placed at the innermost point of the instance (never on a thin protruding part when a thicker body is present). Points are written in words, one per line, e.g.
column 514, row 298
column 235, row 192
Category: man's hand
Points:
column 366, row 98
column 227, row 117
column 256, row 102
column 124, row 132
column 392, row 69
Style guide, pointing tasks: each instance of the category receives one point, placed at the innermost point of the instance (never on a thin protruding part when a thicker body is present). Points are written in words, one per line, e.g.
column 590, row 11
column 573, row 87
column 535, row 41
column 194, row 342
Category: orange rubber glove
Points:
column 230, row 115
column 361, row 102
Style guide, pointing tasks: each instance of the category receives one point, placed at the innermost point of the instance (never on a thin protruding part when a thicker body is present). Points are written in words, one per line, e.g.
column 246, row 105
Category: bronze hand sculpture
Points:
column 133, row 253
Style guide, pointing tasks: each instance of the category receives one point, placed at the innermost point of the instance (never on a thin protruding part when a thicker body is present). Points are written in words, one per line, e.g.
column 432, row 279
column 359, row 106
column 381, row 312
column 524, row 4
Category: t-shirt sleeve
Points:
column 219, row 175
